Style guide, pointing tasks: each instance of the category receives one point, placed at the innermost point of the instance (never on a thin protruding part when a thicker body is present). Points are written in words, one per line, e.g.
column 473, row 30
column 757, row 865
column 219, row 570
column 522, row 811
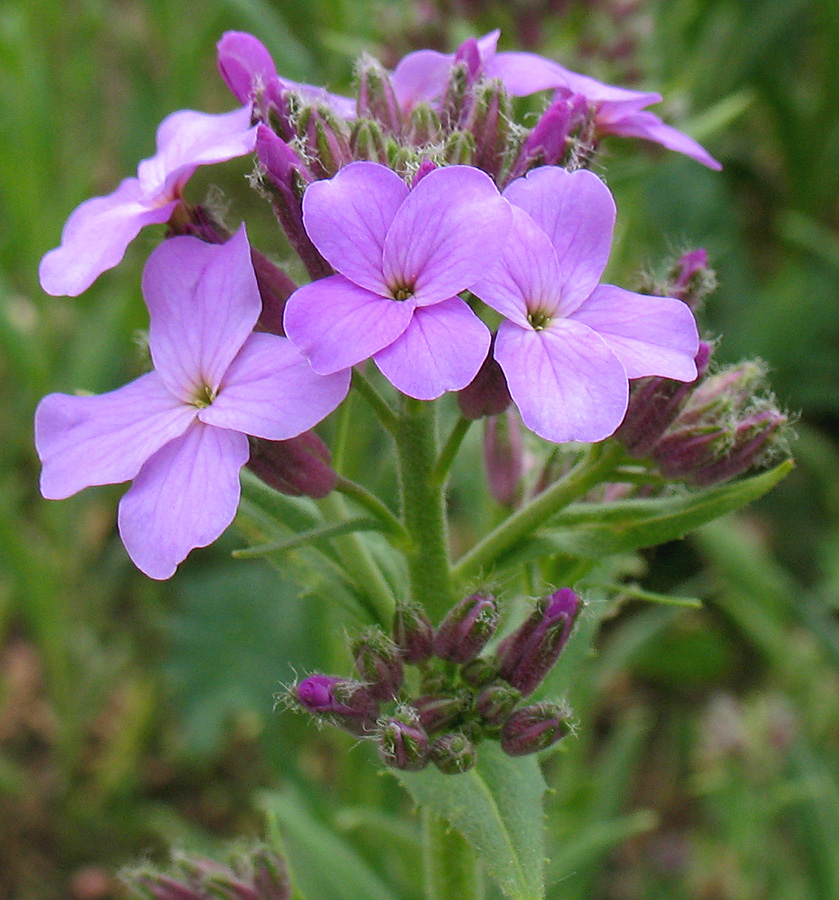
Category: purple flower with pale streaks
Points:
column 99, row 231
column 569, row 344
column 180, row 431
column 247, row 68
column 422, row 76
column 402, row 257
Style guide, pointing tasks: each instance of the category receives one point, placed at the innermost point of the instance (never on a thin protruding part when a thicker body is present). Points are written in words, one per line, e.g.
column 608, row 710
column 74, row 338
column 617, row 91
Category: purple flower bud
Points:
column 503, row 457
column 376, row 99
column 327, row 140
column 438, row 712
column 286, row 178
column 488, row 394
column 403, row 743
column 367, row 141
column 164, row 887
column 456, row 100
column 269, row 875
column 300, row 466
column 343, row 702
column 654, row 404
column 453, row 753
column 377, row 662
column 424, row 126
column 549, row 141
column 527, row 655
column 489, row 122
column 690, row 279
column 459, row 149
column 275, row 287
column 469, row 54
column 227, row 886
column 467, row 627
column 534, row 728
column 495, row 702
column 725, row 394
column 412, row 633
column 425, row 167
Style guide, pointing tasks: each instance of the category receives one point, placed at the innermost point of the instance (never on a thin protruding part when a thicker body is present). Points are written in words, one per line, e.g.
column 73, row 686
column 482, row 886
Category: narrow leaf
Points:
column 497, row 807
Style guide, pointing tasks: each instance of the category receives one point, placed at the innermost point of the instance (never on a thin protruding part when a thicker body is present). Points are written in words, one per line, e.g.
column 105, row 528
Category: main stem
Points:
column 423, row 508
column 452, row 870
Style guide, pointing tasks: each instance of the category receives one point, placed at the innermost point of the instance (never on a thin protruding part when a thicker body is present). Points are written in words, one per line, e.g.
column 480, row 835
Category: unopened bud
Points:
column 439, row 712
column 269, row 874
column 459, row 149
column 300, row 466
column 424, row 126
column 503, row 457
column 549, row 141
column 534, row 728
column 495, row 703
column 403, row 742
column 412, row 633
column 489, row 122
column 338, row 700
column 326, row 139
column 724, row 394
column 453, row 753
column 378, row 663
column 275, row 287
column 367, row 141
column 467, row 627
column 228, row 886
column 527, row 655
column 478, row 672
column 691, row 279
column 425, row 167
column 487, row 394
column 376, row 99
column 456, row 97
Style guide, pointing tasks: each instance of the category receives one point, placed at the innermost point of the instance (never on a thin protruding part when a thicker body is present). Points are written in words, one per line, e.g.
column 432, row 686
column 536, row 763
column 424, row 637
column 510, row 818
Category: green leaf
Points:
column 322, row 864
column 497, row 807
column 596, row 530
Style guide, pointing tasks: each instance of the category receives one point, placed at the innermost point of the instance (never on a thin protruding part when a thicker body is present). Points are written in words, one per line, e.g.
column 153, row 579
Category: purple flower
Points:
column 402, row 256
column 180, row 431
column 99, row 231
column 569, row 344
column 247, row 68
column 422, row 76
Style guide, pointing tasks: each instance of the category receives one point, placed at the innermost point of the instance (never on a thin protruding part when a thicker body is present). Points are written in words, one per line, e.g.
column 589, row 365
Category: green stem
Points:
column 334, row 529
column 374, row 505
column 452, row 869
column 379, row 405
column 423, row 509
column 588, row 473
column 449, row 451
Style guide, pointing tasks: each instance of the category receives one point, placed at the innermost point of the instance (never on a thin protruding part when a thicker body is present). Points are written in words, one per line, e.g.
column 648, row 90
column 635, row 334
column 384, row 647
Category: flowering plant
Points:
column 463, row 253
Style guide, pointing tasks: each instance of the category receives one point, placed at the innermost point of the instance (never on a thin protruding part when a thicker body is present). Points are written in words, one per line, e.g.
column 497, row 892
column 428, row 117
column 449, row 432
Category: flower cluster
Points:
column 443, row 239
column 455, row 697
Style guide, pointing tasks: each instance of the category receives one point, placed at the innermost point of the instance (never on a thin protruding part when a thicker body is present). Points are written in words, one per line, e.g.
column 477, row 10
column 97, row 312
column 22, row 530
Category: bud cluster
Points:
column 453, row 697
column 255, row 874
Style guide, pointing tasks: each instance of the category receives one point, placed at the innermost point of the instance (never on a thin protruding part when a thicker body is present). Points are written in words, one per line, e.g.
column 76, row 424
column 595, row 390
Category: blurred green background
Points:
column 135, row 715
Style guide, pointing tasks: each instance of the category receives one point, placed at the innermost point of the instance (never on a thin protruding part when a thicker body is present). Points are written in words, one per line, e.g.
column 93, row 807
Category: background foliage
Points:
column 135, row 715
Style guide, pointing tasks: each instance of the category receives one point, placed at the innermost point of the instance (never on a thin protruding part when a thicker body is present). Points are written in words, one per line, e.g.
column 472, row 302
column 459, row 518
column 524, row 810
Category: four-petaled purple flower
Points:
column 402, row 256
column 569, row 344
column 180, row 431
column 99, row 231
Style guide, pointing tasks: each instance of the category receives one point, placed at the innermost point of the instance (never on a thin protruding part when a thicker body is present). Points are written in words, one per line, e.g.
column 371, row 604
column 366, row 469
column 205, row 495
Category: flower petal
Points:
column 183, row 497
column 648, row 126
column 567, row 384
column 95, row 238
column 203, row 301
column 337, row 324
column 187, row 139
column 441, row 350
column 420, row 76
column 348, row 216
column 271, row 391
column 649, row 335
column 244, row 63
column 577, row 212
column 526, row 278
column 446, row 234
column 83, row 441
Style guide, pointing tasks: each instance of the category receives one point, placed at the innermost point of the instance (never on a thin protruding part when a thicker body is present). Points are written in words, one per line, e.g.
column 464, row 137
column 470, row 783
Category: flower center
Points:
column 539, row 320
column 402, row 292
column 203, row 396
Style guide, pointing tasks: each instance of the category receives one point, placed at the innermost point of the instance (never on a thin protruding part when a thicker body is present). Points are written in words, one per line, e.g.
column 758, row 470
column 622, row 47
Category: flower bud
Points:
column 438, row 712
column 503, row 457
column 495, row 702
column 654, row 404
column 478, row 672
column 424, row 126
column 487, row 394
column 489, row 123
column 453, row 753
column 412, row 633
column 348, row 704
column 376, row 99
column 227, row 886
column 300, row 466
column 719, row 397
column 549, row 141
column 367, row 141
column 527, row 655
column 164, row 887
column 425, row 167
column 456, row 98
column 459, row 149
column 466, row 629
column 326, row 140
column 377, row 662
column 534, row 728
column 691, row 280
column 269, row 874
column 403, row 743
